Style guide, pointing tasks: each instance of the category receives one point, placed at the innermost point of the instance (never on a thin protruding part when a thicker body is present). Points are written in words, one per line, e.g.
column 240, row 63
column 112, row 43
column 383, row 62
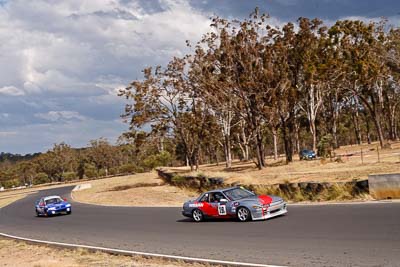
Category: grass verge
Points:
column 20, row 253
column 7, row 200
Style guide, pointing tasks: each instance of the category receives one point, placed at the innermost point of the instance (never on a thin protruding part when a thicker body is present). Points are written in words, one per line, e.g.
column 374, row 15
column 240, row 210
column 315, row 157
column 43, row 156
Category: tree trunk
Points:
column 287, row 139
column 392, row 123
column 260, row 150
column 297, row 135
column 375, row 113
column 378, row 126
column 191, row 163
column 314, row 134
column 368, row 128
column 275, row 136
column 356, row 123
column 245, row 144
column 227, row 150
column 216, row 155
column 335, row 117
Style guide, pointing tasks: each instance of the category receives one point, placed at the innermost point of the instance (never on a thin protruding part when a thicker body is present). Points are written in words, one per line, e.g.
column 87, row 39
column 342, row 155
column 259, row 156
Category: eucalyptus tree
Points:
column 286, row 68
column 392, row 92
column 212, row 71
column 166, row 99
column 229, row 68
column 102, row 154
column 311, row 51
column 27, row 171
column 57, row 161
column 362, row 49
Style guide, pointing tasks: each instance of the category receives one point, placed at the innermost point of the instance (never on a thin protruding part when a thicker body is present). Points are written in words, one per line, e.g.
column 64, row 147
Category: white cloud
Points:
column 7, row 134
column 55, row 116
column 63, row 61
column 64, row 46
column 11, row 91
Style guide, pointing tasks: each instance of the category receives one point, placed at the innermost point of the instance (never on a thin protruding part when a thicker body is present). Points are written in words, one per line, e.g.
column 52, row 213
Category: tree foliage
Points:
column 247, row 82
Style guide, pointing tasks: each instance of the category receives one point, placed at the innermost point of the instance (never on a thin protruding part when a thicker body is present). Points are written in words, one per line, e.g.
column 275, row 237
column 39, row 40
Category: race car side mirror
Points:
column 223, row 200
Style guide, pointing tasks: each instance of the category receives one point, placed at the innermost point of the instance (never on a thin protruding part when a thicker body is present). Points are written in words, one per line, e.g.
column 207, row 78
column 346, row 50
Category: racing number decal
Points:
column 221, row 209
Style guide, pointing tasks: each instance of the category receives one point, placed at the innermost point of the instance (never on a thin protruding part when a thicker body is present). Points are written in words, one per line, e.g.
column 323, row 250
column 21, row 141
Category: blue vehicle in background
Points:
column 307, row 154
column 52, row 205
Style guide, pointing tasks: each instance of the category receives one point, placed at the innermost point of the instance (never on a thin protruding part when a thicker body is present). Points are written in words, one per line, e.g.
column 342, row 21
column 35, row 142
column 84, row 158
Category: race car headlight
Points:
column 68, row 205
column 257, row 207
column 51, row 209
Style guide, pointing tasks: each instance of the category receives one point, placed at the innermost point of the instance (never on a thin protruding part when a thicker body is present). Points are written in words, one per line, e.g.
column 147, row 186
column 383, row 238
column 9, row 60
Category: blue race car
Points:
column 52, row 205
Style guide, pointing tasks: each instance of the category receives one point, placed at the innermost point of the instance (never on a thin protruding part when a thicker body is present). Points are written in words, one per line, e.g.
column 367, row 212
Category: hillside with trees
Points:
column 64, row 163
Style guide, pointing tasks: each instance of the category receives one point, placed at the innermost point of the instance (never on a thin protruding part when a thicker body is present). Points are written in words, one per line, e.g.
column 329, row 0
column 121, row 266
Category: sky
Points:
column 62, row 62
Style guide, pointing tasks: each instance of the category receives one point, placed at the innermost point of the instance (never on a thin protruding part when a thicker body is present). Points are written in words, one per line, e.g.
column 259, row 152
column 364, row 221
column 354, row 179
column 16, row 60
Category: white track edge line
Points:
column 155, row 255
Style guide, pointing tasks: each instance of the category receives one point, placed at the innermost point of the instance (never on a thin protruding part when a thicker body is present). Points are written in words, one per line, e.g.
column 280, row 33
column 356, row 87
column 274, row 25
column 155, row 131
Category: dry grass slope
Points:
column 143, row 189
column 19, row 253
column 354, row 163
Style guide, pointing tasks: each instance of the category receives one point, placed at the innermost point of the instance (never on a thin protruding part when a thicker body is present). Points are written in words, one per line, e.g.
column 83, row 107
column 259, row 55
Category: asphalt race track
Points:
column 317, row 235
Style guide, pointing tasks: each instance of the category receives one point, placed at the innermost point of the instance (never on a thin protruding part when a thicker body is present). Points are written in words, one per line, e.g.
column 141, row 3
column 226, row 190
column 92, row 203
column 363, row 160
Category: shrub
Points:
column 127, row 168
column 101, row 172
column 69, row 176
column 178, row 180
column 325, row 146
column 140, row 169
column 11, row 183
column 154, row 161
column 41, row 178
column 114, row 171
column 90, row 171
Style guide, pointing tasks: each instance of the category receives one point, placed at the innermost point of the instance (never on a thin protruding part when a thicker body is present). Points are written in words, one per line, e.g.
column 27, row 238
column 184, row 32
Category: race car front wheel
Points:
column 197, row 215
column 243, row 214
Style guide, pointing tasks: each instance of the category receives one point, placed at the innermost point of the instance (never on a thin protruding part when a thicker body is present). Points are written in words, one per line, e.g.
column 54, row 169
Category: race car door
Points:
column 218, row 207
column 207, row 208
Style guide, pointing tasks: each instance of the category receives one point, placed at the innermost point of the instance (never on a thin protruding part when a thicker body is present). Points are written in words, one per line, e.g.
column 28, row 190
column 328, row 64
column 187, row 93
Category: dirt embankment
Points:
column 144, row 189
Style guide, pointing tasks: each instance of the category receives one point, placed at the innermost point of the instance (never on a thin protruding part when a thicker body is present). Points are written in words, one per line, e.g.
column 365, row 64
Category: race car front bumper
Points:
column 58, row 211
column 275, row 209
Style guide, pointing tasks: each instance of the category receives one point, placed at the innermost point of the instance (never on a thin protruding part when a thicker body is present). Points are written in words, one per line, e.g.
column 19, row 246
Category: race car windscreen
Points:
column 237, row 193
column 54, row 201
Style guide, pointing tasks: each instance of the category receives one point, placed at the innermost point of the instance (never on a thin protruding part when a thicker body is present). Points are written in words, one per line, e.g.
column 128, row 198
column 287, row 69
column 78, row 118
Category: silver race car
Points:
column 234, row 202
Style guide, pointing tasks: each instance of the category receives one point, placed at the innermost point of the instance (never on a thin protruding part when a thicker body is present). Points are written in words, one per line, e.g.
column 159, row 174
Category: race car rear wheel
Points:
column 197, row 215
column 37, row 213
column 243, row 214
column 69, row 212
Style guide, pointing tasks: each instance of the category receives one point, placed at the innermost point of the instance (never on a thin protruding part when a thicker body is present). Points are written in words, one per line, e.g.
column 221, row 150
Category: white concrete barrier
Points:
column 384, row 186
column 82, row 187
